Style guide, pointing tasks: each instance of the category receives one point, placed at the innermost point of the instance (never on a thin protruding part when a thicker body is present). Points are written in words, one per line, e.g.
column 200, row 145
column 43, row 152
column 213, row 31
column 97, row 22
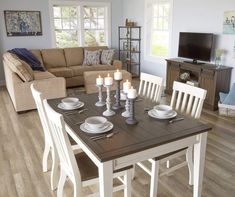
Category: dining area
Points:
column 100, row 141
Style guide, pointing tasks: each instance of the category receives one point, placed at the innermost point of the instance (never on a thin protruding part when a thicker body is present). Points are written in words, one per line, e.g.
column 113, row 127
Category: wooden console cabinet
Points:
column 213, row 79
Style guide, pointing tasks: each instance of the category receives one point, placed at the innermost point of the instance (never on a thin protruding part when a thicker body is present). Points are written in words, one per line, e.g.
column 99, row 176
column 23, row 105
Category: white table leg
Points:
column 199, row 160
column 106, row 179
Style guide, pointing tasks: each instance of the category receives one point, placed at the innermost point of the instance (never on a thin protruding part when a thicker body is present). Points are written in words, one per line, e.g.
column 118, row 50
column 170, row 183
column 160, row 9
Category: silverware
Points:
column 176, row 120
column 76, row 112
column 94, row 138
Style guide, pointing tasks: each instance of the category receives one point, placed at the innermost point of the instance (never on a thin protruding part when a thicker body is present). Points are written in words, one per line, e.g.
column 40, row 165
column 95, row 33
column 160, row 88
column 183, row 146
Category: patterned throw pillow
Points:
column 91, row 57
column 107, row 56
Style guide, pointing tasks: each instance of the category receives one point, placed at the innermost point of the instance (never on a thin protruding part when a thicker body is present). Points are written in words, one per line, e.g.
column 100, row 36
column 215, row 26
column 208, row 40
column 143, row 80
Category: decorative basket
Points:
column 226, row 110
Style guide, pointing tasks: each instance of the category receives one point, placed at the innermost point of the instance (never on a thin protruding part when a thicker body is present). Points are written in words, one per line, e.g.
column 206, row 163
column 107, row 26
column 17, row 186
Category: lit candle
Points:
column 99, row 81
column 126, row 86
column 132, row 93
column 108, row 81
column 118, row 75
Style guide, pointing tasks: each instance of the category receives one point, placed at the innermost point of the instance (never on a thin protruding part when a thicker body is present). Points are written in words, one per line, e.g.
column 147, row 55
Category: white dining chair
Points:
column 78, row 168
column 185, row 99
column 150, row 87
column 49, row 147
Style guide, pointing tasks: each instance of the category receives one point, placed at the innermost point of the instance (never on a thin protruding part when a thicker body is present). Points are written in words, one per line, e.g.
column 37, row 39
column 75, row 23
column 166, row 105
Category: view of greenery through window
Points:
column 160, row 30
column 74, row 29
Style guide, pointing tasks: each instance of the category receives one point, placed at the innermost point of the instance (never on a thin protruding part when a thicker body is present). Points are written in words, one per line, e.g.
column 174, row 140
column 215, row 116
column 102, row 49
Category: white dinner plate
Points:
column 79, row 105
column 154, row 114
column 108, row 126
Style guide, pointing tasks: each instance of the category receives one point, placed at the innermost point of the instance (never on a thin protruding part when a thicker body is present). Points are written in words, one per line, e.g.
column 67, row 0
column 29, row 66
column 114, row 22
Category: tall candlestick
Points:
column 100, row 103
column 108, row 112
column 118, row 105
column 132, row 120
column 126, row 113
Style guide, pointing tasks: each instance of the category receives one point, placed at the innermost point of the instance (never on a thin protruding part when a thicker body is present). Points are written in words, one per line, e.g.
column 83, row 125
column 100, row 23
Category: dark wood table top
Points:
column 148, row 133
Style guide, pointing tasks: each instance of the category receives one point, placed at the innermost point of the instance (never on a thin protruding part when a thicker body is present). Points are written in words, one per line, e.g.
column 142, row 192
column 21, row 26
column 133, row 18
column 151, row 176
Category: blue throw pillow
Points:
column 222, row 96
column 230, row 99
column 28, row 57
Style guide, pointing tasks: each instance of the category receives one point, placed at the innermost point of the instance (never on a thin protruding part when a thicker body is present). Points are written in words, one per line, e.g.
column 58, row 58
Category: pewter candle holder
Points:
column 118, row 105
column 108, row 112
column 100, row 103
column 126, row 113
column 132, row 120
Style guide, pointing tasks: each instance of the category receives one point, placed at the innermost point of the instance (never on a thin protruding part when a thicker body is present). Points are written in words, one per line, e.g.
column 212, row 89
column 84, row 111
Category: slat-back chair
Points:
column 186, row 99
column 78, row 168
column 150, row 87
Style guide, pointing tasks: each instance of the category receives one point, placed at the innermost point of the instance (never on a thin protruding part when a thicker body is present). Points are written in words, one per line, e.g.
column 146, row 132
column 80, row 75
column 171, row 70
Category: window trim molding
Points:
column 147, row 41
column 81, row 3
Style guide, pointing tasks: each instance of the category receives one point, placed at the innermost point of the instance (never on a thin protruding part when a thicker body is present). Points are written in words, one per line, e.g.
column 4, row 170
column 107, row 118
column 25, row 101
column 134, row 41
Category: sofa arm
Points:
column 117, row 64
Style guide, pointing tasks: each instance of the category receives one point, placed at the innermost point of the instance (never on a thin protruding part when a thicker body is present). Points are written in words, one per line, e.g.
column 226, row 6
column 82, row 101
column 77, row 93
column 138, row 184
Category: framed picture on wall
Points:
column 23, row 23
column 229, row 22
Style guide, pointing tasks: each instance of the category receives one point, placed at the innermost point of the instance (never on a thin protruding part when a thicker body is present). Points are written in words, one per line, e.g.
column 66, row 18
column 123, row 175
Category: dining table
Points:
column 130, row 144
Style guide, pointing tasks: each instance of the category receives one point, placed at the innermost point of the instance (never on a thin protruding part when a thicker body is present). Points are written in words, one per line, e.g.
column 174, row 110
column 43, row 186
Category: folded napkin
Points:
column 28, row 57
column 228, row 99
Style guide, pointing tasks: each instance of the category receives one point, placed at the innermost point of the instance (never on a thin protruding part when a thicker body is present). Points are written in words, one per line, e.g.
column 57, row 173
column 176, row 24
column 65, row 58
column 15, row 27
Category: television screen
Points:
column 196, row 46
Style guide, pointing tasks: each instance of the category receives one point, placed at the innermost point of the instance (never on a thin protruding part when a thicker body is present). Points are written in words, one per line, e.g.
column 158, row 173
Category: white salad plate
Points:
column 62, row 106
column 107, row 127
column 154, row 114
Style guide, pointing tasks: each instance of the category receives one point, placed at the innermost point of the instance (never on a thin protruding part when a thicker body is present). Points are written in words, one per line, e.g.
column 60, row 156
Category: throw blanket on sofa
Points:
column 28, row 57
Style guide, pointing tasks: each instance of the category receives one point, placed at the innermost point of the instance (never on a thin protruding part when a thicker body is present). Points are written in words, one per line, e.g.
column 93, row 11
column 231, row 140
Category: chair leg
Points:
column 45, row 156
column 154, row 178
column 127, row 179
column 77, row 189
column 189, row 159
column 61, row 183
column 54, row 169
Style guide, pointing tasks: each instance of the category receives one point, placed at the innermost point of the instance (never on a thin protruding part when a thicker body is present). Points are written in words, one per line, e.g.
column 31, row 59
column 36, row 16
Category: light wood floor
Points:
column 21, row 147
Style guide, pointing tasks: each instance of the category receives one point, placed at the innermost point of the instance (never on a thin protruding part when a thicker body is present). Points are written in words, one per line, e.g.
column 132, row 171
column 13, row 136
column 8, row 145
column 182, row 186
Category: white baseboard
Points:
column 2, row 83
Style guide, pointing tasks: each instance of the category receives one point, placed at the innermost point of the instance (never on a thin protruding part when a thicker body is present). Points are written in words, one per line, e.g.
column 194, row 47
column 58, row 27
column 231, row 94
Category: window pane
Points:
column 101, row 23
column 73, row 24
column 57, row 23
column 94, row 38
column 94, row 24
column 65, row 24
column 66, row 39
column 87, row 12
column 69, row 12
column 100, row 12
column 86, row 23
column 57, row 12
column 160, row 41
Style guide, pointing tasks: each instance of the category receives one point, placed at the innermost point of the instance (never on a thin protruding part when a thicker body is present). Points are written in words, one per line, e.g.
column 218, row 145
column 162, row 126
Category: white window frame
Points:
column 148, row 31
column 107, row 25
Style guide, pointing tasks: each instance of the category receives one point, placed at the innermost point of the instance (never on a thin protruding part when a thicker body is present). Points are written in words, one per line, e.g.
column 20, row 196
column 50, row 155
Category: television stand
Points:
column 206, row 76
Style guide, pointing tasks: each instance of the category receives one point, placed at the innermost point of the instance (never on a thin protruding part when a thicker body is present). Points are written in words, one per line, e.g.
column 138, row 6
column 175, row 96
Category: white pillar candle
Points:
column 126, row 86
column 132, row 93
column 108, row 81
column 118, row 75
column 99, row 81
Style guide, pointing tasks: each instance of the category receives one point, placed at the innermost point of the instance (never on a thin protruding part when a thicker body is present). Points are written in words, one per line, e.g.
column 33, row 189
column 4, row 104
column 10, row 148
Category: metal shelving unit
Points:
column 130, row 48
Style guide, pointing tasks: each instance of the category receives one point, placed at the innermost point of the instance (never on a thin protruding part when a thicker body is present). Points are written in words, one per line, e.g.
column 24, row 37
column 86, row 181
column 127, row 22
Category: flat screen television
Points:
column 196, row 46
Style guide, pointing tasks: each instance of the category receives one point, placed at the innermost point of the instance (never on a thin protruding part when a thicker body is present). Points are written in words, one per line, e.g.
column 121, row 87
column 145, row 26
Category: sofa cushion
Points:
column 21, row 68
column 74, row 56
column 107, row 56
column 42, row 75
column 91, row 57
column 37, row 54
column 53, row 58
column 61, row 72
column 79, row 70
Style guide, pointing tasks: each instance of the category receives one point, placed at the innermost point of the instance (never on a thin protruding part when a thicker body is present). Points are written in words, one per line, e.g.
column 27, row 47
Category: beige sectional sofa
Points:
column 64, row 69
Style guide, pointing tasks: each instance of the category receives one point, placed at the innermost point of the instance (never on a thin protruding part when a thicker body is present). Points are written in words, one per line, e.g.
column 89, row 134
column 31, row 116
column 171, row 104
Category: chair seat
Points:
column 88, row 169
column 169, row 154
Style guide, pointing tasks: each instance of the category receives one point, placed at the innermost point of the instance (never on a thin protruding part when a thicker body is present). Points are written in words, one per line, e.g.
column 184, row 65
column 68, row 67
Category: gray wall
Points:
column 188, row 15
column 44, row 41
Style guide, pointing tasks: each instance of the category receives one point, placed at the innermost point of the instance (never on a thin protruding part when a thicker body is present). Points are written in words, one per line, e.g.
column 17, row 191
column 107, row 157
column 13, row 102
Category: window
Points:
column 158, row 28
column 81, row 25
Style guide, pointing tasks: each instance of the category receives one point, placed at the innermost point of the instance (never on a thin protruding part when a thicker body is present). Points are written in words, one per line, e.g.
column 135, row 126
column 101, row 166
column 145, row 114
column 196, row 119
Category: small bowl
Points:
column 163, row 110
column 95, row 122
column 70, row 102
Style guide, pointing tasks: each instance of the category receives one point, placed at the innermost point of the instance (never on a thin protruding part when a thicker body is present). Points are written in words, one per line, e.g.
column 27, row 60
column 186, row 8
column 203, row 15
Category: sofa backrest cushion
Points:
column 74, row 56
column 53, row 58
column 37, row 54
column 18, row 66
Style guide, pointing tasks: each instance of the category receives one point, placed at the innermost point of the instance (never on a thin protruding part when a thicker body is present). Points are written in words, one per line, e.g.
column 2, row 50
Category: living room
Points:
column 171, row 146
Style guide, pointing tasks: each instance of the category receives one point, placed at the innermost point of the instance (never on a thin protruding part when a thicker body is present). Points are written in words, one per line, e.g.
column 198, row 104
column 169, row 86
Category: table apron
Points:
column 154, row 152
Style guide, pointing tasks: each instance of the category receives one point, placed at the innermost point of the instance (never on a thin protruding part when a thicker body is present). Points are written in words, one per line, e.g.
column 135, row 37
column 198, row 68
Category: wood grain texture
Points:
column 21, row 149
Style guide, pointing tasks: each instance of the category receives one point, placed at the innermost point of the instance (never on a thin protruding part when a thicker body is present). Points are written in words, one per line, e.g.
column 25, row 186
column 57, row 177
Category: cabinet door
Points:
column 207, row 82
column 172, row 75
